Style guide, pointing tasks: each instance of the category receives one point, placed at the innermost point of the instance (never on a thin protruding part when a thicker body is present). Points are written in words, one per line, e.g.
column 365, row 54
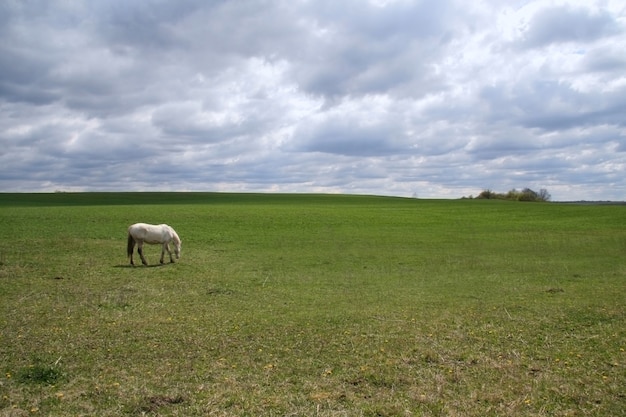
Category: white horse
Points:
column 140, row 233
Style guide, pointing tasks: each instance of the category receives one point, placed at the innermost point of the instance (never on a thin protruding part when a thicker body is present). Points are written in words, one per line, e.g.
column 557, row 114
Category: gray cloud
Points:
column 398, row 97
column 565, row 23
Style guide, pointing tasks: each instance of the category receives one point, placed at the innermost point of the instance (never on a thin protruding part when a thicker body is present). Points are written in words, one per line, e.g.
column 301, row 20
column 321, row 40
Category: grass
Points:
column 312, row 305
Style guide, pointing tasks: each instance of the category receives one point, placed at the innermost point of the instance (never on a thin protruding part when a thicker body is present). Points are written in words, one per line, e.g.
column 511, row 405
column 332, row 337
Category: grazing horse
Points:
column 140, row 233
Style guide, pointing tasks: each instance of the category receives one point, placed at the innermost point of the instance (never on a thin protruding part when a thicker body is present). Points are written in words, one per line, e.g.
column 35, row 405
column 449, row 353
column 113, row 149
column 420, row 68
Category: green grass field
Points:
column 312, row 305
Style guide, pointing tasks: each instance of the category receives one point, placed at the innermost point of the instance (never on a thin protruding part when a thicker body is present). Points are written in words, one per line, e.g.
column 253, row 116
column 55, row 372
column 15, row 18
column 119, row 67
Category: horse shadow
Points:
column 128, row 266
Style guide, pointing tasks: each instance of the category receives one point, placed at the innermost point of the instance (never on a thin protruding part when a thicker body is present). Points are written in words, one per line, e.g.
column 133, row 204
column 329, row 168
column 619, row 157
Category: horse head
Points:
column 177, row 245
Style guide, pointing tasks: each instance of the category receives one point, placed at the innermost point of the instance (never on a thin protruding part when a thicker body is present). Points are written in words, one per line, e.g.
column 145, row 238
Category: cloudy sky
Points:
column 438, row 98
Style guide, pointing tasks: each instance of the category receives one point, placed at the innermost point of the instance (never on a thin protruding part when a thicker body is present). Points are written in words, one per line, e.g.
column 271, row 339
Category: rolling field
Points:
column 312, row 305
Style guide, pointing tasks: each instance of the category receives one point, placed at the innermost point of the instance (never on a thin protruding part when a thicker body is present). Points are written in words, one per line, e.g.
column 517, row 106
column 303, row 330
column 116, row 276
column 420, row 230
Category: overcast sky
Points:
column 390, row 97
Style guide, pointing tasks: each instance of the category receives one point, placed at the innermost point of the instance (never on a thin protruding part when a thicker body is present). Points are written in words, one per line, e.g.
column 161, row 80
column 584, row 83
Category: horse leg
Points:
column 131, row 248
column 167, row 246
column 140, row 252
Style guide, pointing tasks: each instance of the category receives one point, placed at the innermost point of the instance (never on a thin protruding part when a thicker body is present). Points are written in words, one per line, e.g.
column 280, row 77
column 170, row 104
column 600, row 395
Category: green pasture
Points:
column 312, row 305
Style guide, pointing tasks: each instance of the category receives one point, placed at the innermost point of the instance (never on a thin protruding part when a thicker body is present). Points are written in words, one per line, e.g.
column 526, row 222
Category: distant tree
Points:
column 487, row 195
column 513, row 195
column 544, row 195
column 528, row 195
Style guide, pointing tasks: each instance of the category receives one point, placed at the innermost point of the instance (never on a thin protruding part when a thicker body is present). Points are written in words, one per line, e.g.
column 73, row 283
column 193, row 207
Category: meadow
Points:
column 312, row 305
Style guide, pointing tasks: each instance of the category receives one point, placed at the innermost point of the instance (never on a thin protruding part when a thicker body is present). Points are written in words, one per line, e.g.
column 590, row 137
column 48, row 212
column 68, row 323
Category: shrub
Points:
column 525, row 194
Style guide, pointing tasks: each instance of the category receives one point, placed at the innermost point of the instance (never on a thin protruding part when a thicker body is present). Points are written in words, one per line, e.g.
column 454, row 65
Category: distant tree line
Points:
column 525, row 194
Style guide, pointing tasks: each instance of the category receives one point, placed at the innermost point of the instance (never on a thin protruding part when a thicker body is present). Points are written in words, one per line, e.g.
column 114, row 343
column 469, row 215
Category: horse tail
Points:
column 131, row 244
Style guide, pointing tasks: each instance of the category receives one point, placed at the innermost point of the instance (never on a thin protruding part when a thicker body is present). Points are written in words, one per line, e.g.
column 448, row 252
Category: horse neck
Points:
column 175, row 236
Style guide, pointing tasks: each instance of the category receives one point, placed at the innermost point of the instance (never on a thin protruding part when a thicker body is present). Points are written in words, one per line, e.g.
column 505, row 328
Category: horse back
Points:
column 148, row 232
